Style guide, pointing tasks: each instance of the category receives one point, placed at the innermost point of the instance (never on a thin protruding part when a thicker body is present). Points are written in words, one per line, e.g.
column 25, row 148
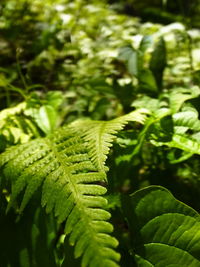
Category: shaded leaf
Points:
column 165, row 232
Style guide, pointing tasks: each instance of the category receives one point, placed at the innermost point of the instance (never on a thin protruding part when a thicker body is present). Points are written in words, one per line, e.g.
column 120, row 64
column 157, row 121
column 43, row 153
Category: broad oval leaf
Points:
column 164, row 231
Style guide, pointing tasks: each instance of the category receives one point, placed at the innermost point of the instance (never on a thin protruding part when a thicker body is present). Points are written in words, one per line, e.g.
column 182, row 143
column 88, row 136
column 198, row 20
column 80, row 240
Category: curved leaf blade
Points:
column 165, row 232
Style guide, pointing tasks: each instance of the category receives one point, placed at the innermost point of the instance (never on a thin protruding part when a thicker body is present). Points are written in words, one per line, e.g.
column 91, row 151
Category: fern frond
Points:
column 100, row 135
column 62, row 164
column 70, row 166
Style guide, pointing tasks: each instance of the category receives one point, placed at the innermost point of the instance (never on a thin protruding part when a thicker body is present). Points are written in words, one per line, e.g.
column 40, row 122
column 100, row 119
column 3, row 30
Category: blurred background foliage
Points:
column 95, row 52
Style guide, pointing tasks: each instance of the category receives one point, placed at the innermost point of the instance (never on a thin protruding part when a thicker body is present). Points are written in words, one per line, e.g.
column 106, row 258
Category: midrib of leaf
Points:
column 84, row 217
column 168, row 245
column 167, row 227
column 67, row 174
column 194, row 224
column 99, row 135
column 99, row 146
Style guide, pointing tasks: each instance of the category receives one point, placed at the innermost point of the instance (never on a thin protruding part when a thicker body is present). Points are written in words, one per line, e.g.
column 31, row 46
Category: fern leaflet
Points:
column 99, row 135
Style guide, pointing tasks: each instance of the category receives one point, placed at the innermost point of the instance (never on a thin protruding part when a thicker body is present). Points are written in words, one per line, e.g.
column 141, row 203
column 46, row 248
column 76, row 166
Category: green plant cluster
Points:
column 99, row 138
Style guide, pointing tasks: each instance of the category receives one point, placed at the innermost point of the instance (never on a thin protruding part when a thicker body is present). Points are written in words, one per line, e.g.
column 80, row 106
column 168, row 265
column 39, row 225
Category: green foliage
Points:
column 25, row 121
column 94, row 107
column 15, row 127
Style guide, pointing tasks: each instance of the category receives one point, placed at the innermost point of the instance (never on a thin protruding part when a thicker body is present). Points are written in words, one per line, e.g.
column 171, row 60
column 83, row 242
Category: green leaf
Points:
column 100, row 138
column 188, row 119
column 46, row 118
column 181, row 95
column 185, row 143
column 164, row 231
